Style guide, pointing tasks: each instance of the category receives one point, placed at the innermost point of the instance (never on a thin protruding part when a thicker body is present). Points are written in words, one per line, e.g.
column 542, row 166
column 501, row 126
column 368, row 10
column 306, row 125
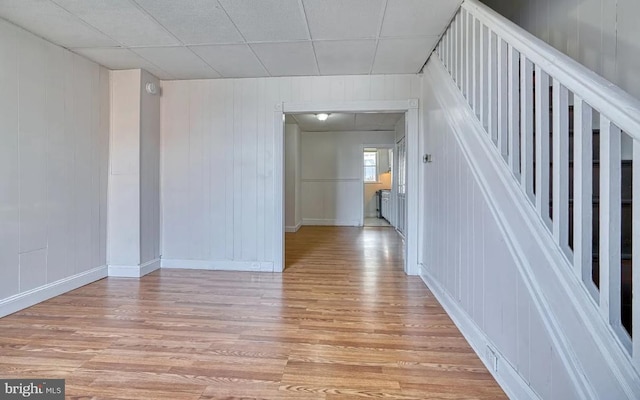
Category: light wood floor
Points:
column 342, row 322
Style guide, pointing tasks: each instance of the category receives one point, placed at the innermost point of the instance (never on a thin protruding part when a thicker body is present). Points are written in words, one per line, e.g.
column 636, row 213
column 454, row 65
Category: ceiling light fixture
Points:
column 322, row 116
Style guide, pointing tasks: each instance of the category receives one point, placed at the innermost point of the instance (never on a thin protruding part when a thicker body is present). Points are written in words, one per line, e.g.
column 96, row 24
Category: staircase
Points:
column 567, row 139
column 626, row 175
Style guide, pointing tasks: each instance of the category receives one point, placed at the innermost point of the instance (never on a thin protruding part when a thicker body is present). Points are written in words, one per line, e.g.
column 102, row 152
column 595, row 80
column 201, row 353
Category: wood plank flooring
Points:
column 342, row 322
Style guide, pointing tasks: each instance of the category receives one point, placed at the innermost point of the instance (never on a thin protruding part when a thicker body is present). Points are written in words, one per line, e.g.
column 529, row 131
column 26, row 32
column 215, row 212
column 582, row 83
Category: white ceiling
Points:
column 346, row 122
column 191, row 39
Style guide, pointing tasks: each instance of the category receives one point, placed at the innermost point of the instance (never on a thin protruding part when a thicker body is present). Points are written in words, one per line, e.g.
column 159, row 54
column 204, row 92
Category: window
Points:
column 370, row 165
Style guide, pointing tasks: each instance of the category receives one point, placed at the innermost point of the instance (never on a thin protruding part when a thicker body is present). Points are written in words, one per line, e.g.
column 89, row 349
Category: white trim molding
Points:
column 293, row 229
column 507, row 377
column 330, row 222
column 410, row 107
column 32, row 297
column 134, row 271
column 222, row 265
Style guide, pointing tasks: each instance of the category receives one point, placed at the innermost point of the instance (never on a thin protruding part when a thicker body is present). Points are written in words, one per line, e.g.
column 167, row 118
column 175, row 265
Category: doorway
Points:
column 378, row 182
column 410, row 110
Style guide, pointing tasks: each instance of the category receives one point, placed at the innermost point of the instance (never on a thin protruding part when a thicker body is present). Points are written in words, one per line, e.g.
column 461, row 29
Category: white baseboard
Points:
column 507, row 377
column 29, row 298
column 330, row 222
column 256, row 266
column 293, row 229
column 134, row 271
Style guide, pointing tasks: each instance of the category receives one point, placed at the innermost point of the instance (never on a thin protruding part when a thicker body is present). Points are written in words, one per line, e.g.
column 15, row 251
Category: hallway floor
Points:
column 372, row 221
column 342, row 322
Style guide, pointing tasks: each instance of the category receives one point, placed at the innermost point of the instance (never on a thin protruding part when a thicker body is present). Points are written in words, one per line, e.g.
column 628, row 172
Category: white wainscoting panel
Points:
column 472, row 269
column 54, row 129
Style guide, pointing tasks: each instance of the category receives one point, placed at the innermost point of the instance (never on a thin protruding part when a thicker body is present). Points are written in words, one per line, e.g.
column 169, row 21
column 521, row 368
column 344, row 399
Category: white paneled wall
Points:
column 467, row 261
column 292, row 168
column 400, row 133
column 124, row 170
column 217, row 161
column 149, row 171
column 601, row 34
column 332, row 175
column 134, row 177
column 54, row 127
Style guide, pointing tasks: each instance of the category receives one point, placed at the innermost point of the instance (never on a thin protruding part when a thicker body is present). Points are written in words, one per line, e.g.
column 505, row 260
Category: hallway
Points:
column 343, row 321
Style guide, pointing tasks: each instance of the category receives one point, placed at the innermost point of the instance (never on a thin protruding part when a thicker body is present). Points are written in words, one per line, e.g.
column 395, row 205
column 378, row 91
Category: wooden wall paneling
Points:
column 250, row 99
column 261, row 177
column 509, row 328
column 94, row 151
column 32, row 145
column 523, row 325
column 70, row 140
column 198, row 164
column 628, row 56
column 105, row 116
column 58, row 169
column 228, row 129
column 237, row 170
column 124, row 172
column 457, row 239
column 175, row 125
column 32, row 164
column 541, row 353
column 245, row 131
column 50, row 223
column 218, row 148
column 83, row 164
column 9, row 161
column 272, row 97
column 149, row 171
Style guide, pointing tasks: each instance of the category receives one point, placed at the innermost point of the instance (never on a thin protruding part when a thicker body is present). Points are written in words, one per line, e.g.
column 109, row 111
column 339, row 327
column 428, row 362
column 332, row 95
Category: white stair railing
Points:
column 541, row 110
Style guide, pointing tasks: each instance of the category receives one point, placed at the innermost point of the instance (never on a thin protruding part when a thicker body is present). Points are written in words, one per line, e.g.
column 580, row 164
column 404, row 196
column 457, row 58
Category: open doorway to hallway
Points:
column 408, row 110
column 337, row 168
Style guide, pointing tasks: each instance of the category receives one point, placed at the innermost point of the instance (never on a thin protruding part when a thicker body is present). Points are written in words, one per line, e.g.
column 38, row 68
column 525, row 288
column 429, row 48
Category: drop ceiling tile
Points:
column 287, row 59
column 345, row 57
column 231, row 61
column 417, row 17
column 53, row 23
column 402, row 56
column 121, row 20
column 120, row 58
column 268, row 20
column 339, row 19
column 193, row 21
column 179, row 62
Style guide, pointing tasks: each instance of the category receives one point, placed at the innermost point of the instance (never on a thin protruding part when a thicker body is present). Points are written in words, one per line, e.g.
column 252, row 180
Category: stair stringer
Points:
column 596, row 363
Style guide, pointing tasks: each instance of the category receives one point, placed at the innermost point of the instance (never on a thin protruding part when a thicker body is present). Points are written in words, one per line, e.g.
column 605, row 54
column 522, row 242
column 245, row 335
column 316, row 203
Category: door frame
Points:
column 409, row 107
